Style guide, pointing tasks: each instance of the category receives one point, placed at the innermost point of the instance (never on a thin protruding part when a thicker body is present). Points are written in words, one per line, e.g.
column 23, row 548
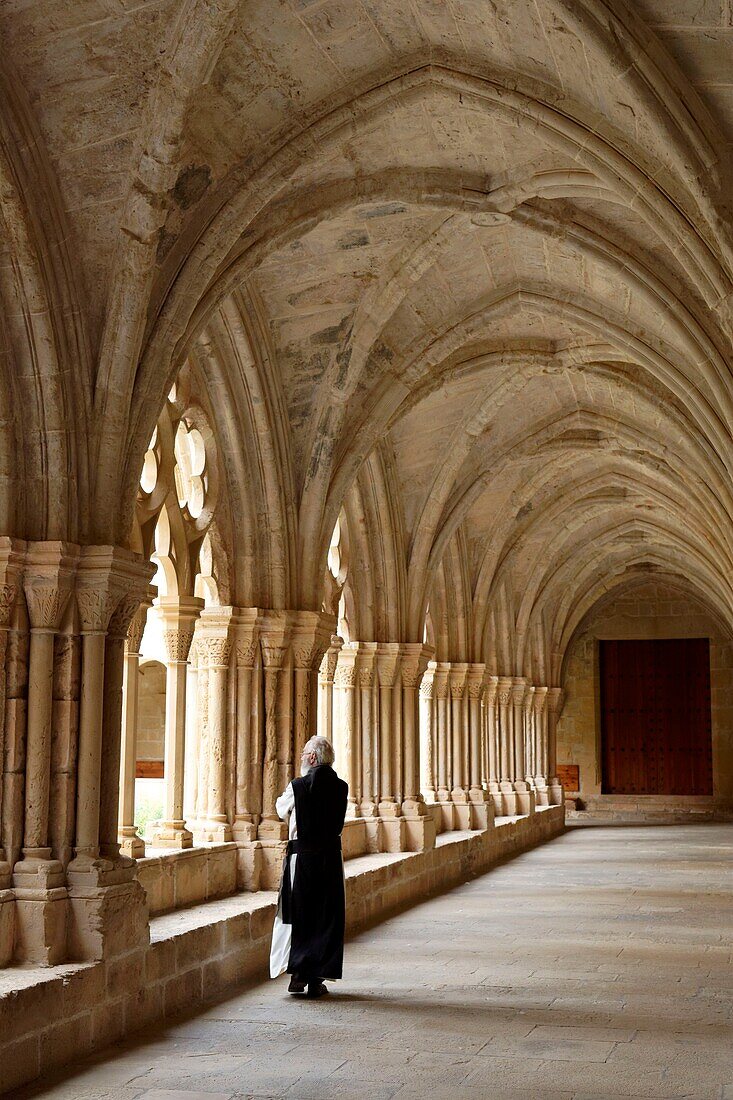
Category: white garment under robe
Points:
column 282, row 933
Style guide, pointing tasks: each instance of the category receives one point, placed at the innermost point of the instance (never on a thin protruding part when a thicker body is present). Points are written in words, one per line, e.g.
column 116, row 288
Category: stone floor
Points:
column 599, row 965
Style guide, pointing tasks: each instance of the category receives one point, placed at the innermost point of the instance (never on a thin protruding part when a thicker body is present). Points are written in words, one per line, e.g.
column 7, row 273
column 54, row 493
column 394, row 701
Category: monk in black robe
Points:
column 308, row 935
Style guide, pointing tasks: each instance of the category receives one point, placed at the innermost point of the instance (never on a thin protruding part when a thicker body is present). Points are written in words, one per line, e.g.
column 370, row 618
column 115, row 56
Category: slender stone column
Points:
column 492, row 743
column 130, row 842
column 347, row 734
column 107, row 904
column 366, row 668
column 419, row 820
column 112, row 728
column 443, row 745
column 528, row 728
column 459, row 742
column 213, row 639
column 38, row 879
column 393, row 826
column 11, row 564
column 506, row 748
column 482, row 813
column 247, row 757
column 427, row 735
column 540, row 726
column 192, row 752
column 274, row 639
column 525, row 796
column 555, row 700
column 326, row 675
column 179, row 615
column 48, row 582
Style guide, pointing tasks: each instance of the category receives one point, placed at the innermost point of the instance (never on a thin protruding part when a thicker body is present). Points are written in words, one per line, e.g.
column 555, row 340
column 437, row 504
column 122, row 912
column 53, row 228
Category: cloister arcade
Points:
column 362, row 366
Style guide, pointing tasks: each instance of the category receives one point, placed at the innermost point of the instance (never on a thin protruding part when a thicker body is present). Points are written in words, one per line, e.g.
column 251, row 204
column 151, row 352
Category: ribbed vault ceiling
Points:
column 462, row 270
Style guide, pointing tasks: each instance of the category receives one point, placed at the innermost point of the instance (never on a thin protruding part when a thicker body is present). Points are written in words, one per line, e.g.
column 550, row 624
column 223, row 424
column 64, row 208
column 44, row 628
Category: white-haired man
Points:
column 308, row 934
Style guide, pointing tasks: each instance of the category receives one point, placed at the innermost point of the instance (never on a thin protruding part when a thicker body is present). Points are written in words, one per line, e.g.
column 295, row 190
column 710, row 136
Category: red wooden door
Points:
column 655, row 717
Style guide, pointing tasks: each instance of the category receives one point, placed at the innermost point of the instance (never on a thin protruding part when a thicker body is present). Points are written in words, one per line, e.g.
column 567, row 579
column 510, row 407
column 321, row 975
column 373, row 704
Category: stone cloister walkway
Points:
column 599, row 965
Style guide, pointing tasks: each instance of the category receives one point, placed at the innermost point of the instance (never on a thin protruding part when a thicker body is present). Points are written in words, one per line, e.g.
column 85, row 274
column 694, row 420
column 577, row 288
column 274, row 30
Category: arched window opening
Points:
column 175, row 524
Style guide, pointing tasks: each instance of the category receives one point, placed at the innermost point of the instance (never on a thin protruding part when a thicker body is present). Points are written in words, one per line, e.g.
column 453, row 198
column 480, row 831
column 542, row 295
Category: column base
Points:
column 525, row 798
column 7, row 926
column 272, row 829
column 420, row 828
column 508, row 799
column 244, row 830
column 542, row 794
column 557, row 794
column 5, row 872
column 494, row 794
column 172, row 834
column 249, row 865
column 213, row 832
column 131, row 843
column 447, row 810
column 271, row 867
column 41, row 925
column 37, row 871
column 106, row 918
column 482, row 809
column 461, row 809
column 529, row 780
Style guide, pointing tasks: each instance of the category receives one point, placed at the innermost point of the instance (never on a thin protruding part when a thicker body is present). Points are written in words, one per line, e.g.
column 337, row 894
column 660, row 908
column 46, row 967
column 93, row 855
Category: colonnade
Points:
column 426, row 746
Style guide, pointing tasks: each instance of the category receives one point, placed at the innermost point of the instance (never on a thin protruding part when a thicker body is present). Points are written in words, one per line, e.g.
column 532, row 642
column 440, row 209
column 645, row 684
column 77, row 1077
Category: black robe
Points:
column 316, row 904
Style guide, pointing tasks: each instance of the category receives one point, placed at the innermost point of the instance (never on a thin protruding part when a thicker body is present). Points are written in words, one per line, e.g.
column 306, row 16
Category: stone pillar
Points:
column 443, row 745
column 11, row 565
column 459, row 742
column 393, row 824
column 419, row 821
column 178, row 615
column 326, row 675
column 130, row 842
column 369, row 727
column 482, row 812
column 555, row 699
column 346, row 727
column 528, row 728
column 108, row 906
column 38, row 880
column 112, row 727
column 525, row 797
column 492, row 744
column 506, row 748
column 540, row 727
column 274, row 639
column 247, row 757
column 214, row 648
column 428, row 781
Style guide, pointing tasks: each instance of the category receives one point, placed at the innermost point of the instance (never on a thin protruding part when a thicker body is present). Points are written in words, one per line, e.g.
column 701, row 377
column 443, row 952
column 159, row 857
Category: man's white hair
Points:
column 322, row 748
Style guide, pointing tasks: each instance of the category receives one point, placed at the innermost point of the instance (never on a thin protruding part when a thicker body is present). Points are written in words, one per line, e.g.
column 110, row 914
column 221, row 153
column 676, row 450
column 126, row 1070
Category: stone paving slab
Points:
column 494, row 991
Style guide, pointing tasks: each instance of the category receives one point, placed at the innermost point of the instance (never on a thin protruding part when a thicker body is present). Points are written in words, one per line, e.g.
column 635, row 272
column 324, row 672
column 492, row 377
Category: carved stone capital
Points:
column 555, row 700
column 214, row 636
column 492, row 687
column 178, row 618
column 475, row 680
column 274, row 630
column 310, row 637
column 245, row 637
column 504, row 690
column 108, row 578
column 457, row 679
column 388, row 658
column 528, row 700
column 346, row 675
column 540, row 699
column 440, row 681
column 519, row 689
column 330, row 659
column 47, row 581
column 427, row 686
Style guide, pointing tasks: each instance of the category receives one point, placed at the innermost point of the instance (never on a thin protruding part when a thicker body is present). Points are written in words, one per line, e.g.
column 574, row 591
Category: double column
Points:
column 214, row 638
column 178, row 616
column 39, row 880
column 131, row 843
column 555, row 699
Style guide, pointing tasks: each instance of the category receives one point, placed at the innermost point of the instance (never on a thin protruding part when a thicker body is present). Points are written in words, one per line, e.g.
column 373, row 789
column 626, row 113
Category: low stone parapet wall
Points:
column 50, row 1016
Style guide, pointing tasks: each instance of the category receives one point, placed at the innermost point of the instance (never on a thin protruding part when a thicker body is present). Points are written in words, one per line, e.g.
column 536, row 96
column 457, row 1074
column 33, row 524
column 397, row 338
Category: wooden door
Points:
column 655, row 717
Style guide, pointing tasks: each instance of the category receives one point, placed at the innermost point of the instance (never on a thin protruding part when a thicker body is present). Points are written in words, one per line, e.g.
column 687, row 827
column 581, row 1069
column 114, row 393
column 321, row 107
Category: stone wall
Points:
column 651, row 609
column 51, row 1016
